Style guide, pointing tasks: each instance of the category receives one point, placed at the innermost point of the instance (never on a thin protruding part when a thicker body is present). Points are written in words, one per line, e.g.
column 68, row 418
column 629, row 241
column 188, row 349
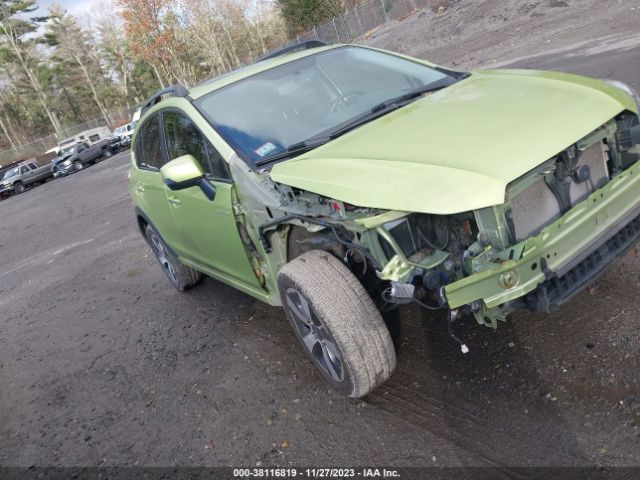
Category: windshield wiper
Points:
column 418, row 92
column 293, row 150
column 369, row 115
column 386, row 107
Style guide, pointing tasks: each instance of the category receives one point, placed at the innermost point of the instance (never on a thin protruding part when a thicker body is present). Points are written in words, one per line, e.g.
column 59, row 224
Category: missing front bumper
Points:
column 583, row 243
column 556, row 290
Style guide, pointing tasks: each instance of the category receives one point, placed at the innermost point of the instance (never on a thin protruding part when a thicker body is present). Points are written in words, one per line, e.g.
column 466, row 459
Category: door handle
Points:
column 174, row 200
column 139, row 187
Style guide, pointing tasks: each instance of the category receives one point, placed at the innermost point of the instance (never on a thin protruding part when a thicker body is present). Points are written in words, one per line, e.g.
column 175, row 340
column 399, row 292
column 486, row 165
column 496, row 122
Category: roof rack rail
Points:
column 308, row 45
column 174, row 91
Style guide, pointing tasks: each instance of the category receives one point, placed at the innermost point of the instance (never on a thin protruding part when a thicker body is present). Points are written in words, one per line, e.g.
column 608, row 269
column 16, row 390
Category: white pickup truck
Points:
column 18, row 178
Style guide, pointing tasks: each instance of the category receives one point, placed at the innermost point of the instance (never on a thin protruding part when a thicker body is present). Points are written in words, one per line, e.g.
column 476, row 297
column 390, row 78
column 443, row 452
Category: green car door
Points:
column 209, row 236
column 147, row 186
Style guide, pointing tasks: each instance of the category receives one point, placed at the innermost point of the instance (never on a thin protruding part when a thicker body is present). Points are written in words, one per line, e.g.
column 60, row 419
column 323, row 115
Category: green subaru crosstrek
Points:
column 340, row 181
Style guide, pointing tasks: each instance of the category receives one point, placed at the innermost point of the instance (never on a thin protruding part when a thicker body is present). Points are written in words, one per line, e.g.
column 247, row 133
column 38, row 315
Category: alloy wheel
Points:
column 314, row 336
column 163, row 257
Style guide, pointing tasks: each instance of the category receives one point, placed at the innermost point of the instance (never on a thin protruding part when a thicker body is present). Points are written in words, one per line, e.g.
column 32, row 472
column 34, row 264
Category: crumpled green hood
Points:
column 458, row 149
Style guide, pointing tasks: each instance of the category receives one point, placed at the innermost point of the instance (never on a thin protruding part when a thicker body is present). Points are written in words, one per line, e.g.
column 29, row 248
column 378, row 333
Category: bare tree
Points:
column 72, row 44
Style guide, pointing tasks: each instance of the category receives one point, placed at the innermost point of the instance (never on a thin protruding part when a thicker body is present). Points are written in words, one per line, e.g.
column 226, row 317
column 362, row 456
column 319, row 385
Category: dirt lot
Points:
column 102, row 363
column 490, row 33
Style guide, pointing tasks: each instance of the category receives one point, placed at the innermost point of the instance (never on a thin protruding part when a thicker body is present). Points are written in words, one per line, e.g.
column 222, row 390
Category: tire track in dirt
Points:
column 494, row 442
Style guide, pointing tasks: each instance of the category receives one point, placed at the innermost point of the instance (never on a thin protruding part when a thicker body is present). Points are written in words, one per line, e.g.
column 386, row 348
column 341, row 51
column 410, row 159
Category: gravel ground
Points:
column 489, row 33
column 103, row 363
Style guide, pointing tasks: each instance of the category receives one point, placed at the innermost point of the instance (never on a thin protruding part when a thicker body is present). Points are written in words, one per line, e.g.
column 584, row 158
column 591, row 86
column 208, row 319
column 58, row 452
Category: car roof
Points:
column 156, row 101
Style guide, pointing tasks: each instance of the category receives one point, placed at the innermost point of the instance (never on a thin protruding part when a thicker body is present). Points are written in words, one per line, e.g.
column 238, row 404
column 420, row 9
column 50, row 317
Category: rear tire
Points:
column 180, row 276
column 19, row 188
column 337, row 323
column 107, row 154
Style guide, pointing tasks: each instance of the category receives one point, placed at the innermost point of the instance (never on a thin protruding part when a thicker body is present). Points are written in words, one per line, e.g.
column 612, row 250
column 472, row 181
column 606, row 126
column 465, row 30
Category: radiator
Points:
column 536, row 206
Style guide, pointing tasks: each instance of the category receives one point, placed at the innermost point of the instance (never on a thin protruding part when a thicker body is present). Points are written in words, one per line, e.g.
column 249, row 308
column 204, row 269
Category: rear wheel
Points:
column 107, row 154
column 181, row 276
column 19, row 188
column 77, row 165
column 337, row 323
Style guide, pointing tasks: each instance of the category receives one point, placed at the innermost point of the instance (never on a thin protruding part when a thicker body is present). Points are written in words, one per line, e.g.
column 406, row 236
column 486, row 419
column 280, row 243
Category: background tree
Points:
column 302, row 15
column 115, row 52
column 58, row 72
column 73, row 51
column 17, row 50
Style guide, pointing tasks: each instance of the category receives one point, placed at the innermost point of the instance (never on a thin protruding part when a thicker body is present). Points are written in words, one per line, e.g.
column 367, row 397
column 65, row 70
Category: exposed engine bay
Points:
column 417, row 257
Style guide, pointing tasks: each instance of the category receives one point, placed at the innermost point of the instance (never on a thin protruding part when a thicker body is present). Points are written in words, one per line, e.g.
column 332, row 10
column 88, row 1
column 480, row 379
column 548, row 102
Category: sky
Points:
column 79, row 8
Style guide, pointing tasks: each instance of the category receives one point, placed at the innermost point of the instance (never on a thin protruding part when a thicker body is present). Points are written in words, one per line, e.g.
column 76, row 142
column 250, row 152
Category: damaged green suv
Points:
column 340, row 181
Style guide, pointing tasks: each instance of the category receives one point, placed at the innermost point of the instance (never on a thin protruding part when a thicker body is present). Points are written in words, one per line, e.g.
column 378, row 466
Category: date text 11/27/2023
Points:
column 315, row 473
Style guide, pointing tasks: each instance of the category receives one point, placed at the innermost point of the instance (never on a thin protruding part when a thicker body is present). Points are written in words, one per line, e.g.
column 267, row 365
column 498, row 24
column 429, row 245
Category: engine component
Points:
column 402, row 292
column 421, row 235
column 533, row 208
column 628, row 134
column 432, row 280
column 576, row 176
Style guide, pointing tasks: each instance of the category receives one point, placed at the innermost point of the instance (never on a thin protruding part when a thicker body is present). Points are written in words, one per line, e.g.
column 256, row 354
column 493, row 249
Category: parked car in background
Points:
column 77, row 157
column 90, row 136
column 125, row 132
column 115, row 145
column 17, row 179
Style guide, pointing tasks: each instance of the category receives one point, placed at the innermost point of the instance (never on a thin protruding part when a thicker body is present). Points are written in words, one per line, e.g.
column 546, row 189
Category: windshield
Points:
column 66, row 151
column 11, row 173
column 270, row 112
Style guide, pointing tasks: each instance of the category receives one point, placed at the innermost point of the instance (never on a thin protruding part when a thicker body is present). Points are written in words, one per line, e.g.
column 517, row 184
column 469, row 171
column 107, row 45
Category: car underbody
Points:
column 561, row 225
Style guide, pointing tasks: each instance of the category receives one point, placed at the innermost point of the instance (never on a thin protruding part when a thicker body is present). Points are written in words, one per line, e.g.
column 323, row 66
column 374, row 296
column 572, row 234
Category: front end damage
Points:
column 561, row 225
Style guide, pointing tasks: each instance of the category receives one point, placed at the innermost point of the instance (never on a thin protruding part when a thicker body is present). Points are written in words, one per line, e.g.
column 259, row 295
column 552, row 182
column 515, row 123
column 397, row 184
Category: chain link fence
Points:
column 344, row 28
column 41, row 145
column 360, row 20
column 116, row 119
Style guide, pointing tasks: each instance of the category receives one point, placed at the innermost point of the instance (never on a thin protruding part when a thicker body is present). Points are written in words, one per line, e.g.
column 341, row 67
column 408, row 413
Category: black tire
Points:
column 78, row 165
column 18, row 188
column 180, row 276
column 107, row 154
column 348, row 340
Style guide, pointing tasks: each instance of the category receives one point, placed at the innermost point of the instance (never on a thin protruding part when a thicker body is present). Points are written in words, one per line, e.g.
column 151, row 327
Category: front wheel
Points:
column 107, row 154
column 337, row 323
column 19, row 188
column 78, row 165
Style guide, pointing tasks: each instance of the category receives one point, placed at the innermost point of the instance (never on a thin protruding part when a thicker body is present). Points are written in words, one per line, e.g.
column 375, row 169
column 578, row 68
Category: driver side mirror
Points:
column 185, row 172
